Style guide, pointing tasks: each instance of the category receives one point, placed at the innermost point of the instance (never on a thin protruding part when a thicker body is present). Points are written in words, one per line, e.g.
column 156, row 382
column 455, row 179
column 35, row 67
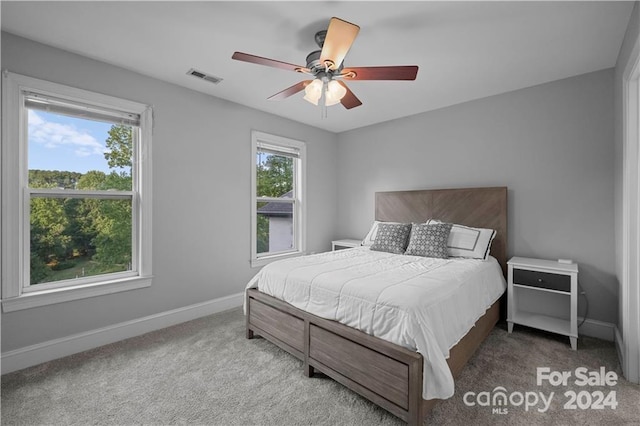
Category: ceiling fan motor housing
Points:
column 314, row 64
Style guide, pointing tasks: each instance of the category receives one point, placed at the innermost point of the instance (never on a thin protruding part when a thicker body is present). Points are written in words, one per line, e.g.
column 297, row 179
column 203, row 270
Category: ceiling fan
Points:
column 327, row 68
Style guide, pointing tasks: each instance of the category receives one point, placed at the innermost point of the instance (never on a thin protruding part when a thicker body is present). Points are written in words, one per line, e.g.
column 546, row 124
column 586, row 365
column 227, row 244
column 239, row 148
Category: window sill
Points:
column 261, row 261
column 66, row 294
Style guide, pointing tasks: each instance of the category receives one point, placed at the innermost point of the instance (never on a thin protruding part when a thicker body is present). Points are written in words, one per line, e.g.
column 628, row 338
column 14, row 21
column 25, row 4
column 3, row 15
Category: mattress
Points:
column 423, row 304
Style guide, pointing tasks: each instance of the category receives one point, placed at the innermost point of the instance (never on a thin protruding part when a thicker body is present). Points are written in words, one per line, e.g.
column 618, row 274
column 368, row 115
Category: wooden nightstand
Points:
column 344, row 243
column 543, row 294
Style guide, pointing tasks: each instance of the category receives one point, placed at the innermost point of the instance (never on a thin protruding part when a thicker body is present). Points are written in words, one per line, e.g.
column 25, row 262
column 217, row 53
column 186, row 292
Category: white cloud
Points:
column 54, row 135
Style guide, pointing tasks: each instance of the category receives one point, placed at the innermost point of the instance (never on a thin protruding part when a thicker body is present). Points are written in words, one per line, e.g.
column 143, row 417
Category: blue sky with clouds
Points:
column 60, row 142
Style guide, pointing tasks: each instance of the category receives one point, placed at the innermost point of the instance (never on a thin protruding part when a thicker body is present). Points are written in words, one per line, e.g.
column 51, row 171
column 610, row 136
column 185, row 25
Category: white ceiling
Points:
column 465, row 50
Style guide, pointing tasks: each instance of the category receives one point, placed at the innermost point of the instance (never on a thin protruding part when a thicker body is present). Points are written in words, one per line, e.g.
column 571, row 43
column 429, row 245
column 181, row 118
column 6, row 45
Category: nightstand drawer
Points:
column 545, row 280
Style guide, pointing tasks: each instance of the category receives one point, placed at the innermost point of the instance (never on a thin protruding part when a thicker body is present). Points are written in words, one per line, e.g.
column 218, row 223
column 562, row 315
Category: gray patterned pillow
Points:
column 392, row 237
column 429, row 240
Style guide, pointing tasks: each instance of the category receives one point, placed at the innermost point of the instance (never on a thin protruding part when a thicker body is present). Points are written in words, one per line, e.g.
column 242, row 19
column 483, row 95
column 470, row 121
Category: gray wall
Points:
column 551, row 145
column 201, row 193
column 631, row 37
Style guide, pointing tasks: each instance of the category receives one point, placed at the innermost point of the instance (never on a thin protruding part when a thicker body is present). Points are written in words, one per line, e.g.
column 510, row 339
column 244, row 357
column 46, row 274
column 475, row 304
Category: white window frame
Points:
column 15, row 222
column 285, row 145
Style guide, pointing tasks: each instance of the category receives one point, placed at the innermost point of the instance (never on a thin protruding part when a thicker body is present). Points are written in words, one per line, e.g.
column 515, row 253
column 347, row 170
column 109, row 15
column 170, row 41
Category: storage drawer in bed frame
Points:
column 350, row 359
column 279, row 326
column 339, row 351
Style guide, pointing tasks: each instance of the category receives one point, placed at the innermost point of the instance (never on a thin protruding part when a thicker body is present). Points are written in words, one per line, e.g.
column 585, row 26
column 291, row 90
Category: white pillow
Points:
column 371, row 235
column 468, row 242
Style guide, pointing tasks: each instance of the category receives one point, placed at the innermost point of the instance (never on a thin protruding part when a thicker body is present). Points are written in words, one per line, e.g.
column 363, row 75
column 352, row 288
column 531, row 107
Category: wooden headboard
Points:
column 477, row 207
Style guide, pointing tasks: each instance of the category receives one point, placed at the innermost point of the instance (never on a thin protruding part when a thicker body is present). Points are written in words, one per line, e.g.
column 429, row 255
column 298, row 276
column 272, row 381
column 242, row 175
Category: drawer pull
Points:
column 540, row 280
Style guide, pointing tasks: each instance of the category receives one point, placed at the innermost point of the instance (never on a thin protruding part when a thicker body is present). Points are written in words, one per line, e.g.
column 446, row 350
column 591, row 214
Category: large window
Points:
column 76, row 180
column 278, row 166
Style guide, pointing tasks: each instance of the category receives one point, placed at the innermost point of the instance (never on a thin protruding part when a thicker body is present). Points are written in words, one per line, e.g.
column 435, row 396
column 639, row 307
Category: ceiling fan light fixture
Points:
column 335, row 92
column 313, row 91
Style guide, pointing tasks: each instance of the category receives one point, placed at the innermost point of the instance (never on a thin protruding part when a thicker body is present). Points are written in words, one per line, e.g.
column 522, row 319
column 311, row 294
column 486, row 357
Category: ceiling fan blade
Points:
column 349, row 100
column 338, row 41
column 246, row 57
column 289, row 91
column 404, row 72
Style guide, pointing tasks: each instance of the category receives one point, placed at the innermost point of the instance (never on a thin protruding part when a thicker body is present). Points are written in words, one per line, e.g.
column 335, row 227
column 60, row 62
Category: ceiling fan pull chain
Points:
column 323, row 98
column 325, row 87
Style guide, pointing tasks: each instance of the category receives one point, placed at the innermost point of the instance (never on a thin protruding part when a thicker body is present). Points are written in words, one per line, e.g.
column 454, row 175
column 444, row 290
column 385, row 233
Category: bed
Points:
column 392, row 374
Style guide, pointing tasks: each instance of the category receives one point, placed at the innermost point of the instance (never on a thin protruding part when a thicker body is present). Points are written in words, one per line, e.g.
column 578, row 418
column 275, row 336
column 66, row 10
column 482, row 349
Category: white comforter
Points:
column 423, row 304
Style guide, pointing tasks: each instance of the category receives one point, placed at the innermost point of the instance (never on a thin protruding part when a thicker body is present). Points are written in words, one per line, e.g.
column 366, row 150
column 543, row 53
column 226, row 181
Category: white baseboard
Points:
column 47, row 351
column 598, row 329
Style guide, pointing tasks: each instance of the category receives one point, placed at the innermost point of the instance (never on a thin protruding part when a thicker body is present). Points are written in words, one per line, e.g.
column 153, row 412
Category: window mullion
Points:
column 274, row 200
column 62, row 193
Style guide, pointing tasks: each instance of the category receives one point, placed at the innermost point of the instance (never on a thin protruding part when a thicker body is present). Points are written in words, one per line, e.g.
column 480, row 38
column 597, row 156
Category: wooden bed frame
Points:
column 386, row 374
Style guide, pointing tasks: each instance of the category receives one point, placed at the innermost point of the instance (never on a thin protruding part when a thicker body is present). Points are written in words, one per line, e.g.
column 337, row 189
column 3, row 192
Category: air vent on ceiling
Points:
column 210, row 78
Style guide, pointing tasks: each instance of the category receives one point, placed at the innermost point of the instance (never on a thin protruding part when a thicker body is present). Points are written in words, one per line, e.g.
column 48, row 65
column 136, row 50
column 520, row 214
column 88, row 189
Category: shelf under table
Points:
column 543, row 322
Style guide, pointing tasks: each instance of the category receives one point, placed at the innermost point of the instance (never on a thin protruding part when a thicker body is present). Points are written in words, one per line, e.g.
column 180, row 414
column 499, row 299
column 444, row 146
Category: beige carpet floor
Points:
column 205, row 372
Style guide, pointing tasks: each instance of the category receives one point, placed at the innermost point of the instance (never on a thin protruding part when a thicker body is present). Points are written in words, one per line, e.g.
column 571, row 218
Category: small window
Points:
column 80, row 179
column 278, row 191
